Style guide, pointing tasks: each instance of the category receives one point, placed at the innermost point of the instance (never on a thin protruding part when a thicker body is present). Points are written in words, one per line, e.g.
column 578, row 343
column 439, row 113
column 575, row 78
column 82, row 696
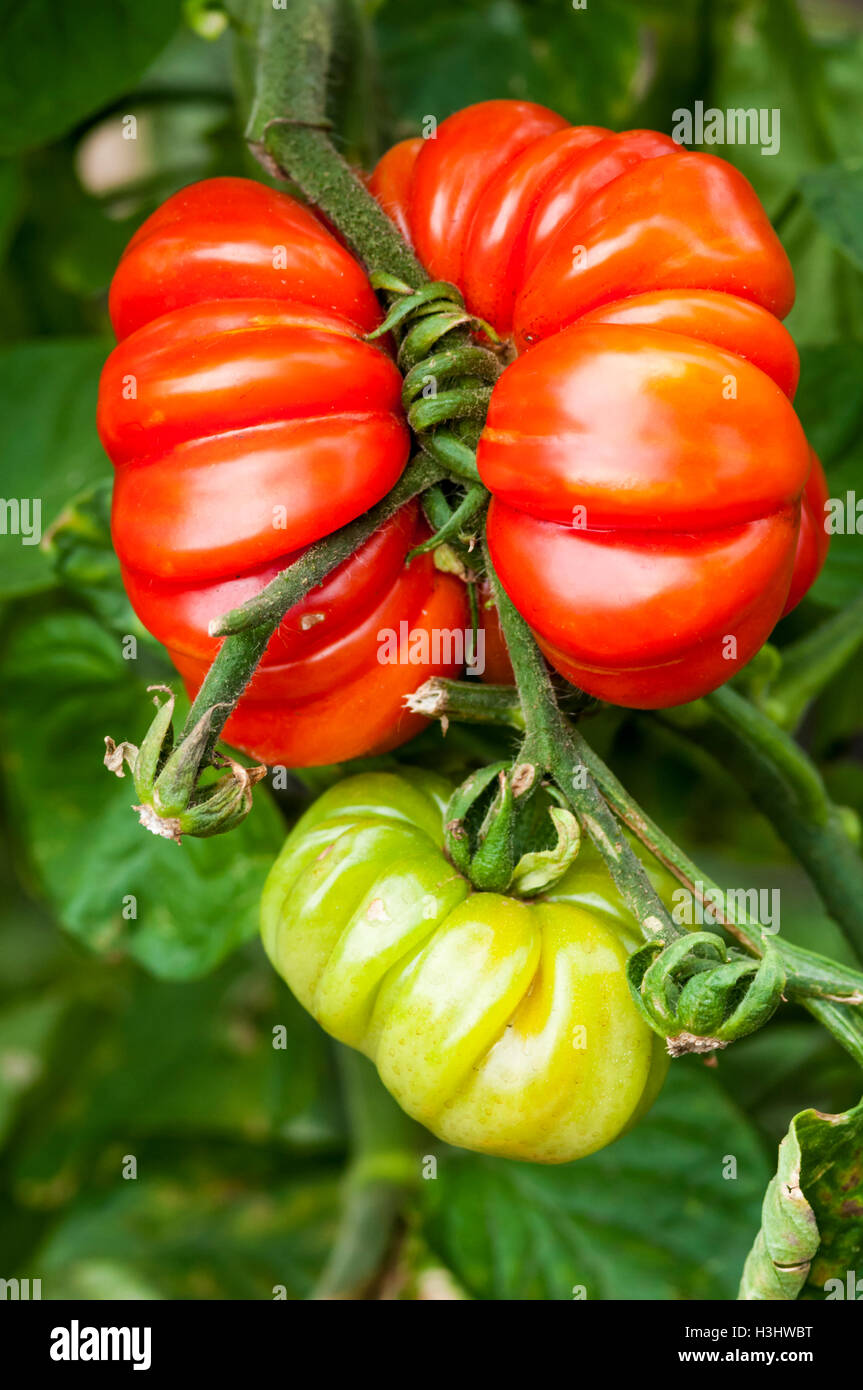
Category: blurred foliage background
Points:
column 148, row 1032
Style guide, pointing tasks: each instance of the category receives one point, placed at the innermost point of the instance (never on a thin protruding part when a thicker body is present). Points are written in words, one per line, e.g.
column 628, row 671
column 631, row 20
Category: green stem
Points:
column 810, row 663
column 330, row 184
column 749, row 746
column 282, row 593
column 470, row 701
column 382, row 1171
column 452, row 524
column 549, row 746
column 251, row 627
column 809, row 975
column 776, row 748
column 288, row 131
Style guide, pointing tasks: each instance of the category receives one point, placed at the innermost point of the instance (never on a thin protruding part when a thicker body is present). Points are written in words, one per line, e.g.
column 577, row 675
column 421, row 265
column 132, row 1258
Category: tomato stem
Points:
column 453, row 525
column 247, row 630
column 384, row 1167
column 292, row 584
column 288, row 132
column 787, row 789
column 808, row 664
column 824, row 986
column 549, row 745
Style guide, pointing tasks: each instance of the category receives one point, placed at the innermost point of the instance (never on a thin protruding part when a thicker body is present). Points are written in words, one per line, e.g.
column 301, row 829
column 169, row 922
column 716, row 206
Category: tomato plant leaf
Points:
column 49, row 446
column 835, row 197
column 811, row 1238
column 61, row 62
column 177, row 910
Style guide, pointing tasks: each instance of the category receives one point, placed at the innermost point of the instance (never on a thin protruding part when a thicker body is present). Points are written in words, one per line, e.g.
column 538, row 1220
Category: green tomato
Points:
column 501, row 1025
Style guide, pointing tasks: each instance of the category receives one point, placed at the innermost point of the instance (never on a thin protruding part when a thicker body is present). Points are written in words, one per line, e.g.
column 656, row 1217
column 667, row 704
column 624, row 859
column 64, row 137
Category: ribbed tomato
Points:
column 645, row 461
column 246, row 418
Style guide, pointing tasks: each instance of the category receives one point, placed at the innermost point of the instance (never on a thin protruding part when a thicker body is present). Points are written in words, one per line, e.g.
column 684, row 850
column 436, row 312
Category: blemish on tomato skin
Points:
column 376, row 911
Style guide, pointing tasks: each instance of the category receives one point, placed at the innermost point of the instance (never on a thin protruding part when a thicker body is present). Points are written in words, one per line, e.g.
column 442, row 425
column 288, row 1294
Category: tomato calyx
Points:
column 506, row 832
column 700, row 995
column 438, row 348
column 173, row 801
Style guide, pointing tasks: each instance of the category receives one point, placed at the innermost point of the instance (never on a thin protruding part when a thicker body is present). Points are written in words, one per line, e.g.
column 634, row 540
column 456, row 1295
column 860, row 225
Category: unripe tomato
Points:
column 502, row 1025
column 645, row 461
column 247, row 418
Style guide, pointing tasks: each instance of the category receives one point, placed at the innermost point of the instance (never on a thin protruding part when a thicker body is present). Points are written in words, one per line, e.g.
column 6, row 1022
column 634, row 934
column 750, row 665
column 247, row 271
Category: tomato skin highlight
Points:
column 630, row 424
column 470, row 1004
column 681, row 221
column 642, row 443
column 246, row 418
column 737, row 325
column 454, row 169
column 232, row 238
column 500, row 230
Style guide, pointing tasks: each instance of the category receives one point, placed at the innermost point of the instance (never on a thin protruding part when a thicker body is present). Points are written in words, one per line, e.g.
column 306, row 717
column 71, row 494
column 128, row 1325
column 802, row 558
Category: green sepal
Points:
column 462, row 801
column 493, row 863
column 172, row 800
column 539, row 869
column 698, row 995
column 497, row 831
column 469, row 507
column 157, row 743
column 465, row 360
column 453, row 454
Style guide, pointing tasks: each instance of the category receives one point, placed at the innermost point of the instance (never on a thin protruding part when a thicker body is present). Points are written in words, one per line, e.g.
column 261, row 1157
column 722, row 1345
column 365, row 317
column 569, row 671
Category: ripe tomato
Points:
column 645, row 461
column 813, row 540
column 247, row 418
column 502, row 1025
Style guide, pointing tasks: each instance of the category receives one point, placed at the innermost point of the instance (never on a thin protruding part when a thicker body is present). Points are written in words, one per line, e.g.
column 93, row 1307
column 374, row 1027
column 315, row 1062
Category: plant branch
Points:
column 382, row 1171
column 292, row 584
column 809, row 975
column 289, row 133
column 549, row 745
column 787, row 789
column 252, row 626
column 808, row 664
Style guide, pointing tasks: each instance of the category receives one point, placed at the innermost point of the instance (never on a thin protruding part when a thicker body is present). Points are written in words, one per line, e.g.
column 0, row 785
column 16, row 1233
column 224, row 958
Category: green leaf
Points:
column 583, row 64
column 196, row 1231
column 766, row 57
column 67, row 685
column 811, row 1237
column 651, row 1217
column 10, row 202
column 48, row 443
column 142, row 1062
column 62, row 62
column 835, row 197
column 830, row 406
column 80, row 549
column 26, row 1031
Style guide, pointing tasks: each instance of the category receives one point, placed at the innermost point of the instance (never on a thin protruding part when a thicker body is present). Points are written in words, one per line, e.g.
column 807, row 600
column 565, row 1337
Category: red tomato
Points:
column 645, row 462
column 391, row 179
column 247, row 418
column 813, row 541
